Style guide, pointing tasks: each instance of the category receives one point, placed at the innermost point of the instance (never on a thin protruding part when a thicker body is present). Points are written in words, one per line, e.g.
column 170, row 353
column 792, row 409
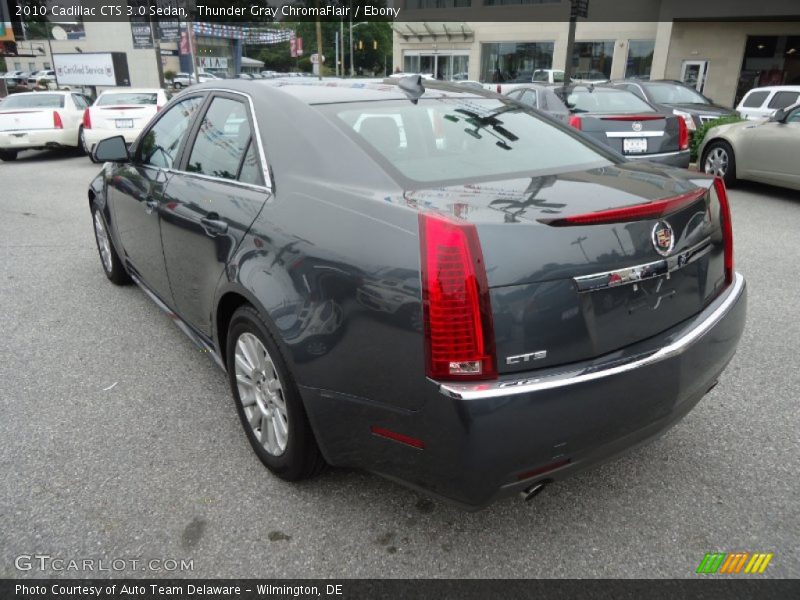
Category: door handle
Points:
column 213, row 226
column 150, row 206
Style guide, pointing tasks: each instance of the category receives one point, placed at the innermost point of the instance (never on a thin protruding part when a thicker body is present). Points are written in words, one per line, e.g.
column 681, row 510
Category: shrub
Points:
column 701, row 132
column 169, row 75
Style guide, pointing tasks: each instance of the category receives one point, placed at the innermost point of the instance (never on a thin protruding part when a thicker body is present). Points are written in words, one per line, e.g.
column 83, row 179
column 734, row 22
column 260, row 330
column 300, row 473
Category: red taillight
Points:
column 683, row 134
column 57, row 120
column 87, row 119
column 499, row 88
column 634, row 212
column 727, row 227
column 158, row 108
column 459, row 337
column 575, row 121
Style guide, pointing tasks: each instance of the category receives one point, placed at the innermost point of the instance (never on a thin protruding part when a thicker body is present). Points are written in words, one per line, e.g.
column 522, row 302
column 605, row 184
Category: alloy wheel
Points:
column 717, row 162
column 102, row 241
column 261, row 393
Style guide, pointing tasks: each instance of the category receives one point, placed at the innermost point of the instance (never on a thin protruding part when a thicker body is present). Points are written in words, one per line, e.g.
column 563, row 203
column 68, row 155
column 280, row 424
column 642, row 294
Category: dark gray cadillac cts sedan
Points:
column 438, row 285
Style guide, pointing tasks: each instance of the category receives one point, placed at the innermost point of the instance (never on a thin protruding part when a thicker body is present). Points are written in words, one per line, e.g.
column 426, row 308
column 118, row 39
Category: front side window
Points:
column 783, row 99
column 446, row 139
column 222, row 140
column 159, row 147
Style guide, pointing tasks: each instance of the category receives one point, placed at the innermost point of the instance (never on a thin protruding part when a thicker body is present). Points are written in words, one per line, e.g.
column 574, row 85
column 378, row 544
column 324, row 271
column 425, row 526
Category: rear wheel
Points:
column 177, row 85
column 268, row 401
column 8, row 155
column 112, row 265
column 719, row 160
column 82, row 149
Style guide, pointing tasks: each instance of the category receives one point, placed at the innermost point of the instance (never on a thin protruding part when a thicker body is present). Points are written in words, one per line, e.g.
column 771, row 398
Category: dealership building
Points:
column 721, row 48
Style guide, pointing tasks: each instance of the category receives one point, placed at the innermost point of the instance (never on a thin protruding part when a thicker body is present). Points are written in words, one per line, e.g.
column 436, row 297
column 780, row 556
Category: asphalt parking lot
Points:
column 120, row 438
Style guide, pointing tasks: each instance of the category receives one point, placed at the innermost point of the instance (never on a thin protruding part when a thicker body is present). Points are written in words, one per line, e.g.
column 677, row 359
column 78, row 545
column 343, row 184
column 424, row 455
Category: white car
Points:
column 46, row 74
column 186, row 79
column 761, row 103
column 121, row 111
column 39, row 120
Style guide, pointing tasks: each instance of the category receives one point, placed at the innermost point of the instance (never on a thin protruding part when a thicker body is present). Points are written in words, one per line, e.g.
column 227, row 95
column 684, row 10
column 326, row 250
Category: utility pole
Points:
column 336, row 59
column 578, row 8
column 341, row 42
column 352, row 68
column 319, row 46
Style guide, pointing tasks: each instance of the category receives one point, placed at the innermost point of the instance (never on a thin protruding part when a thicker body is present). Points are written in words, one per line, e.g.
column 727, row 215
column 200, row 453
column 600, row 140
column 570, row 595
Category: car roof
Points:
column 48, row 92
column 124, row 90
column 331, row 91
column 771, row 88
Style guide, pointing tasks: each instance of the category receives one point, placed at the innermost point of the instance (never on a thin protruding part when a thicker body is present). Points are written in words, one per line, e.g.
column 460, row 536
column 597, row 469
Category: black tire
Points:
column 82, row 144
column 114, row 270
column 301, row 458
column 177, row 85
column 8, row 155
column 721, row 146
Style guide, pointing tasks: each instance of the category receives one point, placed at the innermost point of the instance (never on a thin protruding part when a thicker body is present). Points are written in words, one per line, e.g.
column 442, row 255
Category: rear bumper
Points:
column 487, row 440
column 94, row 135
column 673, row 159
column 38, row 138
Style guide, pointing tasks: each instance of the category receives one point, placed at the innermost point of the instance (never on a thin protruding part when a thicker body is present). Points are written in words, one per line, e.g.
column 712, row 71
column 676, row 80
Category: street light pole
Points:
column 352, row 69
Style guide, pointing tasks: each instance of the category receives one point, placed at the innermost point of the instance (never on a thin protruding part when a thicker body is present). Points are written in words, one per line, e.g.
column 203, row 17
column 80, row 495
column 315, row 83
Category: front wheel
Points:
column 112, row 265
column 8, row 155
column 267, row 400
column 177, row 85
column 719, row 160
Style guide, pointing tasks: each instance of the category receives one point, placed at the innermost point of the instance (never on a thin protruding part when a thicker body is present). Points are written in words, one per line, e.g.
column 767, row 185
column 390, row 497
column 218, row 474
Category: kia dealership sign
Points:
column 95, row 68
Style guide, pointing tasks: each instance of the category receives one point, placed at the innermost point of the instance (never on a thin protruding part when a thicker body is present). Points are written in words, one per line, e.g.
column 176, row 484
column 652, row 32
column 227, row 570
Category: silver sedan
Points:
column 764, row 151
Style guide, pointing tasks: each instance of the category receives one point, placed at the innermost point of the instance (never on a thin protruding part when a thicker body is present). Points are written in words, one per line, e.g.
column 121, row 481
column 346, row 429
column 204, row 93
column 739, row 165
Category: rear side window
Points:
column 222, row 140
column 34, row 101
column 783, row 99
column 529, row 98
column 754, row 99
column 449, row 139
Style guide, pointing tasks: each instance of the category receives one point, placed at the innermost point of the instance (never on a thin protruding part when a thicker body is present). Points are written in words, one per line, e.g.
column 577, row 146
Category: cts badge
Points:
column 663, row 238
column 524, row 358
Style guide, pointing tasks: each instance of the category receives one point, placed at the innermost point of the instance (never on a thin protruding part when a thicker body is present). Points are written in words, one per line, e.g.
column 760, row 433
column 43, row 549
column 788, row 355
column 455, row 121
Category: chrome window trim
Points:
column 268, row 185
column 633, row 134
column 500, row 389
column 237, row 183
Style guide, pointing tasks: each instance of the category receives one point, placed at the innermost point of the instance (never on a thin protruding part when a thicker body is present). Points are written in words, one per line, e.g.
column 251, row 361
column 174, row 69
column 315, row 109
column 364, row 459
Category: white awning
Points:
column 251, row 62
column 455, row 32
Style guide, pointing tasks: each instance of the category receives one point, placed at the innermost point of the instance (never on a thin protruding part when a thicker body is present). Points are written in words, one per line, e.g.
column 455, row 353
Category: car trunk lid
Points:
column 565, row 291
column 631, row 134
column 22, row 119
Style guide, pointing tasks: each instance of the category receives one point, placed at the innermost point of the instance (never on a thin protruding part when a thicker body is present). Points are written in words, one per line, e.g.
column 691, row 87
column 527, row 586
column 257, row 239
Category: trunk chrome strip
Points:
column 634, row 134
column 499, row 389
column 636, row 273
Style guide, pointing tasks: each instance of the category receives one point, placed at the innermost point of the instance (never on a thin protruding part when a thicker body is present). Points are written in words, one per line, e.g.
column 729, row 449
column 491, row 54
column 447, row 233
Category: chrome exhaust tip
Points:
column 531, row 492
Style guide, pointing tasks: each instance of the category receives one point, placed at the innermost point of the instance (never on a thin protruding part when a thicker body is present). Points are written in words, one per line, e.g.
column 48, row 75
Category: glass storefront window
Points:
column 769, row 60
column 592, row 60
column 512, row 62
column 445, row 67
column 640, row 58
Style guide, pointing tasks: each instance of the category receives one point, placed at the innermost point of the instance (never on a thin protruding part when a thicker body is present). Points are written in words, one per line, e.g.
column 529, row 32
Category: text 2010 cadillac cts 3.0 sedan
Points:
column 437, row 285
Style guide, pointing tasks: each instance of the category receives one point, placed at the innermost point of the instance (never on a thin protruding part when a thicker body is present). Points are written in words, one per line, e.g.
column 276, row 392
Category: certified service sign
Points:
column 84, row 69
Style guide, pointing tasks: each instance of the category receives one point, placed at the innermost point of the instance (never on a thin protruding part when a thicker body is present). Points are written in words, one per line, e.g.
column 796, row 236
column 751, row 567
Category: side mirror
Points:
column 779, row 116
column 111, row 150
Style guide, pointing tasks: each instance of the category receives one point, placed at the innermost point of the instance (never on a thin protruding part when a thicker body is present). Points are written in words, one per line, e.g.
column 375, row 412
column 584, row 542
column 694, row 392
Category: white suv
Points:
column 761, row 103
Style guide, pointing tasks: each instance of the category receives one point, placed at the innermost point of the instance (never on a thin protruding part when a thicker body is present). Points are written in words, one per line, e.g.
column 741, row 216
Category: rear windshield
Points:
column 34, row 101
column 117, row 99
column 446, row 139
column 606, row 101
column 672, row 93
